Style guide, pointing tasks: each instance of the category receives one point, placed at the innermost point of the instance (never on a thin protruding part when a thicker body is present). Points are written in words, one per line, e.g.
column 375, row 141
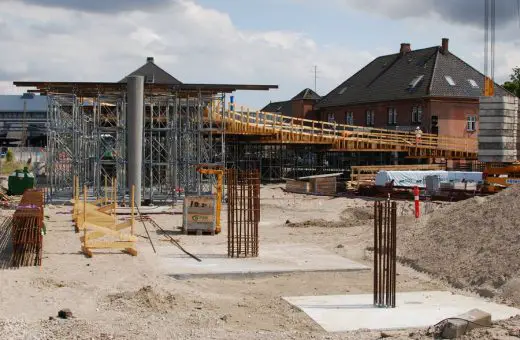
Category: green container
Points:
column 19, row 181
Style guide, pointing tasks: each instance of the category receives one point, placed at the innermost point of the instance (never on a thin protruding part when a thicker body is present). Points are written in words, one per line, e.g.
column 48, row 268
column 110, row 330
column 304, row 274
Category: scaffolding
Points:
column 87, row 138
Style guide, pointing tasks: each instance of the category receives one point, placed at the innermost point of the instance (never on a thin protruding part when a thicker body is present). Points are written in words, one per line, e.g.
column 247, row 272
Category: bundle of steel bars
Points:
column 27, row 235
column 243, row 212
column 385, row 252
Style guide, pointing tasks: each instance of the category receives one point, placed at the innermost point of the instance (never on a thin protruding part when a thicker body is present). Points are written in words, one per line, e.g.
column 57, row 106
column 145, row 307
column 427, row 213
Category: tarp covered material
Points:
column 412, row 178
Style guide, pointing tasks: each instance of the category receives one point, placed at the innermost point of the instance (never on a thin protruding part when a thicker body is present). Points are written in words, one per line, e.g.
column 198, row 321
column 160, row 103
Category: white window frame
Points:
column 392, row 116
column 417, row 114
column 471, row 123
column 349, row 118
column 370, row 118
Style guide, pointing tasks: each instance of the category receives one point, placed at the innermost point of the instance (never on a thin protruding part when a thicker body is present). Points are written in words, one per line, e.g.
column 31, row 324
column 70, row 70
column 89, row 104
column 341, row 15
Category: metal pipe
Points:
column 135, row 109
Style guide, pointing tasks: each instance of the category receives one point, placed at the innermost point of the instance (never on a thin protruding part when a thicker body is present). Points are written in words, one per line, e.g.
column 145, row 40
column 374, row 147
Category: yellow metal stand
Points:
column 207, row 169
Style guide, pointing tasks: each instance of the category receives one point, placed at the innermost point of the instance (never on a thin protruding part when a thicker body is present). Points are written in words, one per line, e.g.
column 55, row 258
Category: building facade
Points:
column 429, row 88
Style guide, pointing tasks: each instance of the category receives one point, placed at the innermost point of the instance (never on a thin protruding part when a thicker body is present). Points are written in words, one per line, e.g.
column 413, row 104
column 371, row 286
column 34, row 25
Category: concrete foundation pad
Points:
column 273, row 259
column 340, row 313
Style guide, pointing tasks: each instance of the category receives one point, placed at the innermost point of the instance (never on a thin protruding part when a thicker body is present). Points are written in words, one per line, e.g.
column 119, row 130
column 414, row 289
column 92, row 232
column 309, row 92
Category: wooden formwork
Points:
column 275, row 128
column 99, row 224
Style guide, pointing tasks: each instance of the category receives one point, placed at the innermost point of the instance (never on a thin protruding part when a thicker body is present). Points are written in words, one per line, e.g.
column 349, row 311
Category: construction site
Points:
column 167, row 210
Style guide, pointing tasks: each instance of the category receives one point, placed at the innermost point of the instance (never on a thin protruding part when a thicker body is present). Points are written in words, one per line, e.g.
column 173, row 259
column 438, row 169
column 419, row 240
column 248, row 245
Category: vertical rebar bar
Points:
column 385, row 253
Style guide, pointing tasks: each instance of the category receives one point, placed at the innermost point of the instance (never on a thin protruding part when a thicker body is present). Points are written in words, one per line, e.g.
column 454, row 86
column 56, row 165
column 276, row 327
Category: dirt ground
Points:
column 116, row 296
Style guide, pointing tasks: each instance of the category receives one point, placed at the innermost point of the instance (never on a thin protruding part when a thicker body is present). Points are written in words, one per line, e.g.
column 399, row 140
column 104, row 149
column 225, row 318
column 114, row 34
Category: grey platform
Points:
column 273, row 259
column 341, row 313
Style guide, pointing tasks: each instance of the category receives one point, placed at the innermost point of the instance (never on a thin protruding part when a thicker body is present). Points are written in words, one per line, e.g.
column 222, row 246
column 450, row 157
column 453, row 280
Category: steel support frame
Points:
column 87, row 137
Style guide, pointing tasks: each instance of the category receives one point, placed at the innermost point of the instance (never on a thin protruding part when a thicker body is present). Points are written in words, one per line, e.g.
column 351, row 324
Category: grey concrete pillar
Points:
column 135, row 111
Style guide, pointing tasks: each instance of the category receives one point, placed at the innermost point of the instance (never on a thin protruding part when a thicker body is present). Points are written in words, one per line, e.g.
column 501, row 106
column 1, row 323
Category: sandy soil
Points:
column 115, row 296
column 478, row 240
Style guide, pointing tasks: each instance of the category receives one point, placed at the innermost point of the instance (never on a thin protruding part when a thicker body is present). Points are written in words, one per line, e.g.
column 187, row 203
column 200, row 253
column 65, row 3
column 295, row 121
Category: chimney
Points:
column 445, row 45
column 405, row 48
column 149, row 60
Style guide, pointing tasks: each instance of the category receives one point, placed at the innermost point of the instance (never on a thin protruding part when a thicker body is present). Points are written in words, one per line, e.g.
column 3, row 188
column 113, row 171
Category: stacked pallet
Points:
column 28, row 228
column 318, row 185
column 324, row 185
column 498, row 130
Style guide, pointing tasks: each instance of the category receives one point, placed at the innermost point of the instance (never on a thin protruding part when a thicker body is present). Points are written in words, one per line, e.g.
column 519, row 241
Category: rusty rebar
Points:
column 27, row 226
column 243, row 212
column 385, row 253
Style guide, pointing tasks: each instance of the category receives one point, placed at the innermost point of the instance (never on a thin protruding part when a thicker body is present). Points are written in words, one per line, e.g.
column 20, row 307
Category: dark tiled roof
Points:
column 284, row 108
column 153, row 73
column 389, row 78
column 307, row 94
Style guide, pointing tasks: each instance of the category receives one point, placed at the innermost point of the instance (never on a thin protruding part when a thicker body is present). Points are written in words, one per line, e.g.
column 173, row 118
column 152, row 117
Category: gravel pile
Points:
column 472, row 244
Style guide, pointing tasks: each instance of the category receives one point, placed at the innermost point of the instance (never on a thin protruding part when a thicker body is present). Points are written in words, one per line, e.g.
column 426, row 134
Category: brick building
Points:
column 300, row 106
column 431, row 88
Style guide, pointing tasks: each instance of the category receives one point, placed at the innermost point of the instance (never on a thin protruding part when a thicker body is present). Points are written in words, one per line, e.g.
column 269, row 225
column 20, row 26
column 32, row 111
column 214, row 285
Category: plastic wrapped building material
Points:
column 413, row 178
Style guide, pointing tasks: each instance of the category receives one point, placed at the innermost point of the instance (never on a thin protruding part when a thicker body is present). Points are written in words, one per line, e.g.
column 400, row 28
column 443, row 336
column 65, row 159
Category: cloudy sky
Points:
column 236, row 41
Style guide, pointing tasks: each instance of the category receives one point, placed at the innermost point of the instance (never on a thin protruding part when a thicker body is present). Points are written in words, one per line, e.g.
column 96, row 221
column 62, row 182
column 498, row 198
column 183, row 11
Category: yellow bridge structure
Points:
column 271, row 128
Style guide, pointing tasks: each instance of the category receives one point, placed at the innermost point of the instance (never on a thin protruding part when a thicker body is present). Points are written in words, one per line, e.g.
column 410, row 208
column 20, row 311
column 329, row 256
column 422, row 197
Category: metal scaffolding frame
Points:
column 87, row 138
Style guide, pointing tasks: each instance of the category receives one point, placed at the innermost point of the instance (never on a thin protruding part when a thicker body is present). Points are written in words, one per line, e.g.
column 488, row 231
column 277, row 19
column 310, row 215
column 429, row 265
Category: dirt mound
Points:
column 146, row 298
column 349, row 217
column 471, row 244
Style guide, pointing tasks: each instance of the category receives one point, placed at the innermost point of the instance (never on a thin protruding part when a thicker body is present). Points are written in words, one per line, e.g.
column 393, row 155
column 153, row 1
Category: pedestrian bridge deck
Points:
column 278, row 129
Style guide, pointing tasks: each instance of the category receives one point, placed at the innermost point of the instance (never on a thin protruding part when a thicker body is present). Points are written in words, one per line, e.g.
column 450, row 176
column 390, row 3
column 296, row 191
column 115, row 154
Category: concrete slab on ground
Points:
column 341, row 313
column 273, row 259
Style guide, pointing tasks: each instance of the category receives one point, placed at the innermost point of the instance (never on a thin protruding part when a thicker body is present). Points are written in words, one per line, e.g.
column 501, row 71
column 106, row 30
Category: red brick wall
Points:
column 451, row 114
column 403, row 108
column 300, row 108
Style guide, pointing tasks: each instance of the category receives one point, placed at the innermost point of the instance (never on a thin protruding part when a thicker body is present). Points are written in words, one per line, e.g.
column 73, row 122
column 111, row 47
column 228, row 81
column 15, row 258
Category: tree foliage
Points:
column 9, row 156
column 513, row 85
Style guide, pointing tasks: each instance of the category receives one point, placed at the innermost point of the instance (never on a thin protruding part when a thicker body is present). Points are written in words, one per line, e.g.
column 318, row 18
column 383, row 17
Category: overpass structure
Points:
column 186, row 125
column 270, row 128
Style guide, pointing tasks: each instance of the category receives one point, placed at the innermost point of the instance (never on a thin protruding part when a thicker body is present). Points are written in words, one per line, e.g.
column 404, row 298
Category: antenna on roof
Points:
column 315, row 76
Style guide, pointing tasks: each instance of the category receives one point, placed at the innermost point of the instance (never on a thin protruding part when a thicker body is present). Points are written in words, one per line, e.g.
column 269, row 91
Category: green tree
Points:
column 9, row 156
column 513, row 85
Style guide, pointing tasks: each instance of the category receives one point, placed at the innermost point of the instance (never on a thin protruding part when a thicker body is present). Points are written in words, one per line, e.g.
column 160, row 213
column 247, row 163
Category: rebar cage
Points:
column 385, row 252
column 243, row 212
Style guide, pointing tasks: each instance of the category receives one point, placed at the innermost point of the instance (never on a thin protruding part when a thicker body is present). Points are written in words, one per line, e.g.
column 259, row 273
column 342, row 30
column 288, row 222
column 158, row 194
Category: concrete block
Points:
column 499, row 126
column 497, row 146
column 497, row 139
column 499, row 159
column 497, row 132
column 498, row 99
column 497, row 119
column 464, row 323
column 490, row 152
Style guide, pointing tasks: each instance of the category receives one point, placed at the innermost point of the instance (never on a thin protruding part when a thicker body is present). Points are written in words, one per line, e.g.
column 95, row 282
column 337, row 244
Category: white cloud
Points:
column 193, row 43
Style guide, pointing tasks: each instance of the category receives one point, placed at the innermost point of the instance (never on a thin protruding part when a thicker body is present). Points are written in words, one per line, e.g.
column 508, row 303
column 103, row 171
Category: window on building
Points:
column 415, row 81
column 349, row 118
column 417, row 114
column 331, row 118
column 471, row 121
column 450, row 80
column 392, row 116
column 473, row 83
column 370, row 118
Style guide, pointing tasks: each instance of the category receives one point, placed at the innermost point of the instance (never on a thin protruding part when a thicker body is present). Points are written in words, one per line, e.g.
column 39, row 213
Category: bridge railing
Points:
column 254, row 121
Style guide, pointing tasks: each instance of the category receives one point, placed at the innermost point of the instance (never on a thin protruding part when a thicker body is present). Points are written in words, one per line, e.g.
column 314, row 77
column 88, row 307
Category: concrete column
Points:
column 135, row 111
